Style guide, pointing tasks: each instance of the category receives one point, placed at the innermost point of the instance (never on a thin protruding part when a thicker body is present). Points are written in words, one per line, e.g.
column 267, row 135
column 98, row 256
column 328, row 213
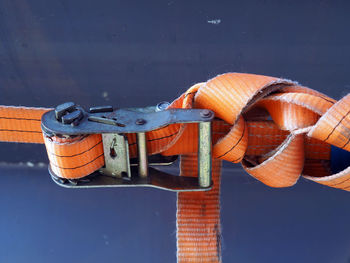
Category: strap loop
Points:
column 277, row 152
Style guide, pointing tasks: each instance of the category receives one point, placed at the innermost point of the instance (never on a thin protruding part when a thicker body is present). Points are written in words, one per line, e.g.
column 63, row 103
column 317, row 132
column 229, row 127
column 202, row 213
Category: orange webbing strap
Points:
column 276, row 128
column 69, row 157
column 21, row 124
column 75, row 157
column 198, row 217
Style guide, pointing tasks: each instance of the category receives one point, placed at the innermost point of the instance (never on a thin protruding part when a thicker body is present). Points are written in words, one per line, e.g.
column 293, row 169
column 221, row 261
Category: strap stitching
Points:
column 22, row 119
column 235, row 144
column 5, row 130
column 72, row 168
column 337, row 125
column 77, row 153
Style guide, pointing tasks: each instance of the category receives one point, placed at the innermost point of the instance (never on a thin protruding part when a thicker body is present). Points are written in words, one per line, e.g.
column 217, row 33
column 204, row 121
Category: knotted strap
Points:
column 276, row 128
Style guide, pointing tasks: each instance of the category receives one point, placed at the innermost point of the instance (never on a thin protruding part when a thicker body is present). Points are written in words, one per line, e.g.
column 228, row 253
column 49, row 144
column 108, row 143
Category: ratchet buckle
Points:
column 113, row 124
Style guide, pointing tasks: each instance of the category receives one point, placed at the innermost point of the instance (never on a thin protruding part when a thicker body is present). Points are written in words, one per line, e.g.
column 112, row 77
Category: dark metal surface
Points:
column 126, row 53
column 155, row 179
column 116, row 155
column 139, row 121
column 101, row 109
column 123, row 121
column 156, row 159
column 41, row 222
column 62, row 109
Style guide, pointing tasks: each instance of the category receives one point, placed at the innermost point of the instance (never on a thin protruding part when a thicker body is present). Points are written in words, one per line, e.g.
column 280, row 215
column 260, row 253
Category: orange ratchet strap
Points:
column 276, row 128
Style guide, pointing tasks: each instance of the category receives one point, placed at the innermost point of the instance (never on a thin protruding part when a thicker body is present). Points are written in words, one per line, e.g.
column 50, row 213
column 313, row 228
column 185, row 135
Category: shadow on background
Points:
column 41, row 222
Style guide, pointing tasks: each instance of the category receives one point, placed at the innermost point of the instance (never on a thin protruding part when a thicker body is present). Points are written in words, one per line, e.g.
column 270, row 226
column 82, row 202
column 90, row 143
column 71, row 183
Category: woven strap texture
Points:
column 276, row 128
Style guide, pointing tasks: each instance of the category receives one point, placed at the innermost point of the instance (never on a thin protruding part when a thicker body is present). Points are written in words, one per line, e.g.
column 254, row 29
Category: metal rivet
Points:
column 206, row 113
column 162, row 106
column 140, row 121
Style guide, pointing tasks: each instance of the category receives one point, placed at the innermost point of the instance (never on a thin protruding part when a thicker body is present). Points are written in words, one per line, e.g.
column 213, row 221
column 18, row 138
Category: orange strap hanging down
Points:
column 276, row 128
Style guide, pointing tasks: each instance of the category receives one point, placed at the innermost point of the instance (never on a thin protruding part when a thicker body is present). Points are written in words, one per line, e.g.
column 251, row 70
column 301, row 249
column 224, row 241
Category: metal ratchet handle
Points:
column 69, row 119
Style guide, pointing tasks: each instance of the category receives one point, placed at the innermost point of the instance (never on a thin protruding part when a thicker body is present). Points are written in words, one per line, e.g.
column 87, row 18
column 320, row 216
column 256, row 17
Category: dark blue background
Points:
column 137, row 53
